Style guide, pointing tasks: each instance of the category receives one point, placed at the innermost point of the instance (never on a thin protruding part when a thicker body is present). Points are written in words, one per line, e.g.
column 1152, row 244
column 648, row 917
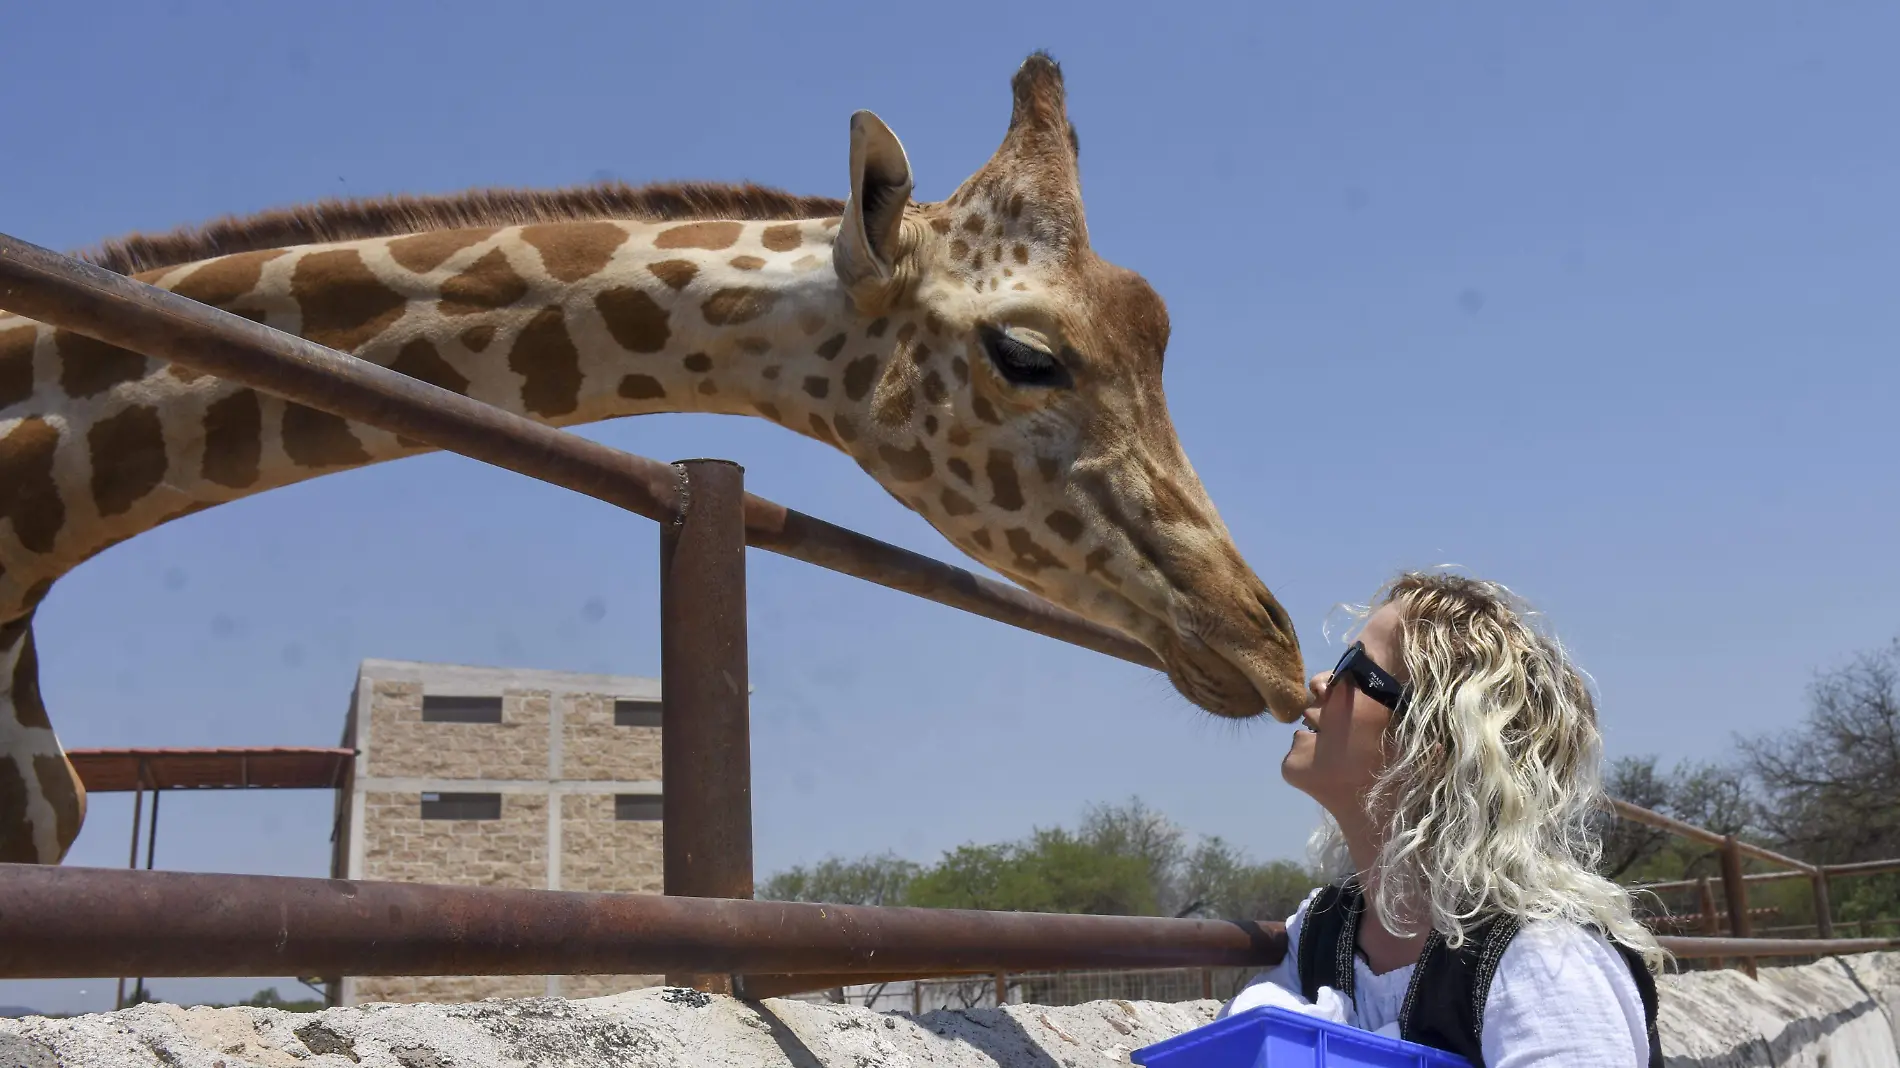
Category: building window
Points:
column 437, row 708
column 461, row 806
column 634, row 713
column 638, row 807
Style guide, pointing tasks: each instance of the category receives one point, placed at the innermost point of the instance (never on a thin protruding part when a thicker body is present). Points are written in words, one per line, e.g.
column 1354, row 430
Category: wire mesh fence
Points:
column 1042, row 988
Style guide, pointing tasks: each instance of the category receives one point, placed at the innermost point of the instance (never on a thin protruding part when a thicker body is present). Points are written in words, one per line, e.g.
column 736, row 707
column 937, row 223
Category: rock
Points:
column 1836, row 1013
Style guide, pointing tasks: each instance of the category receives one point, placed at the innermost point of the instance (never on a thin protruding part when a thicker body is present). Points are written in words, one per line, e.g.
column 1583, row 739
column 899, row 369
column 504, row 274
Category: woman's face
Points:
column 1340, row 749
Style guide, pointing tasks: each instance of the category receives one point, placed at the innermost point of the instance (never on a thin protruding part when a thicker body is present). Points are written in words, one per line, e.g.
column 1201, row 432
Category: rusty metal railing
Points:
column 84, row 922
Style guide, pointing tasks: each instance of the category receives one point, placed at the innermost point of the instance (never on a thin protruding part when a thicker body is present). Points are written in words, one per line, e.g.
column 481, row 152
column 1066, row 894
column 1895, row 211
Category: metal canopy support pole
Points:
column 705, row 734
column 132, row 860
column 1737, row 893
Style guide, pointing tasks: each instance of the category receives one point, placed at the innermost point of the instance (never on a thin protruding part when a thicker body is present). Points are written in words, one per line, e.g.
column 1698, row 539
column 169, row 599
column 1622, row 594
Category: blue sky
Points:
column 1594, row 300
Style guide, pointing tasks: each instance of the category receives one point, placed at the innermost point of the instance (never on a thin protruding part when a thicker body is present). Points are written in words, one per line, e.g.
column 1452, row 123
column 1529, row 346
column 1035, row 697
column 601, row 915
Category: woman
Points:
column 1456, row 751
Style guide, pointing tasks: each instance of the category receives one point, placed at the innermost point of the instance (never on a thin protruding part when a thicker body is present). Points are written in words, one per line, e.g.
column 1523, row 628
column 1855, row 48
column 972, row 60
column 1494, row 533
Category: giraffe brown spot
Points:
column 960, row 367
column 984, row 411
column 697, row 362
column 769, row 411
column 182, row 373
column 87, row 367
column 548, row 363
column 634, row 319
column 961, row 468
column 16, row 363
column 993, row 284
column 933, row 325
column 1048, row 468
column 746, row 263
column 818, row 386
column 832, row 346
column 858, row 375
column 755, row 346
column 955, row 503
column 675, row 273
column 959, row 436
column 574, row 250
column 930, row 425
column 707, row 387
column 847, row 430
column 478, row 337
column 941, row 224
column 1066, row 526
column 959, row 249
column 934, row 389
column 907, row 465
column 319, row 439
column 16, row 837
column 730, row 307
column 770, row 374
column 1030, row 556
column 1096, row 563
column 487, row 284
column 342, row 303
column 977, row 261
column 877, row 327
column 712, row 236
column 234, row 439
column 782, row 237
column 56, row 785
column 806, row 262
column 973, row 224
column 641, row 387
column 420, row 360
column 822, row 430
column 1015, row 206
column 1021, row 252
column 1023, row 286
column 423, row 253
column 918, row 354
column 1005, row 492
column 223, row 281
column 982, row 537
column 128, row 458
column 28, row 495
column 28, row 706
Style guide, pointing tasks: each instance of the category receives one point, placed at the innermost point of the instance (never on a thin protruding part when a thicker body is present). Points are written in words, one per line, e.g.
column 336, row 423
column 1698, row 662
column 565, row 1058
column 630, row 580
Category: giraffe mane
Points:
column 354, row 219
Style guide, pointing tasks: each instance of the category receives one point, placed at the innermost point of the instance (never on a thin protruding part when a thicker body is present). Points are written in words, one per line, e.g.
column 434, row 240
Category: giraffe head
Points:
column 1016, row 404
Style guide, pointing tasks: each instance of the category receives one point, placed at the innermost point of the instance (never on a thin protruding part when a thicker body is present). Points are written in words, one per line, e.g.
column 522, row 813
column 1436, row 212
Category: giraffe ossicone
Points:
column 973, row 355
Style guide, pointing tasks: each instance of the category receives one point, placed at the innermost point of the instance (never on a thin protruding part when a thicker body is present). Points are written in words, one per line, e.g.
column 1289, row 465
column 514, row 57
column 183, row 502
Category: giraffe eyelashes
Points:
column 1022, row 364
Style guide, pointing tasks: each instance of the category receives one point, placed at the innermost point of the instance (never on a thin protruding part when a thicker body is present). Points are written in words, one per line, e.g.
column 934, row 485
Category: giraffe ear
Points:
column 867, row 249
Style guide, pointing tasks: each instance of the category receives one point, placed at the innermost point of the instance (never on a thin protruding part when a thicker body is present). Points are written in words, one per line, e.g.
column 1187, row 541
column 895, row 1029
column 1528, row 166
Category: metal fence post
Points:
column 1705, row 902
column 1736, row 891
column 1823, row 909
column 705, row 735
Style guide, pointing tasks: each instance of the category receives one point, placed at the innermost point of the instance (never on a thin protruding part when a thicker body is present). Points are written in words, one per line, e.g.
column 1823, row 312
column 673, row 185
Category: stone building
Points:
column 499, row 777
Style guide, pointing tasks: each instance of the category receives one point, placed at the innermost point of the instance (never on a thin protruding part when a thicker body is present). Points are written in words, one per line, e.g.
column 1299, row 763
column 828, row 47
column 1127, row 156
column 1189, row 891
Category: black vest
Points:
column 1444, row 1003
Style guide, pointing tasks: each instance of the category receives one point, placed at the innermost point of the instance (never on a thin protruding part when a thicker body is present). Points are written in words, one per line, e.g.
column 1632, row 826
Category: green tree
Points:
column 1051, row 871
column 1222, row 882
column 874, row 880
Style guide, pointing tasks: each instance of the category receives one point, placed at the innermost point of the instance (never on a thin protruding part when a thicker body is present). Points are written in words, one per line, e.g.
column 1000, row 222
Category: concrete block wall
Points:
column 557, row 759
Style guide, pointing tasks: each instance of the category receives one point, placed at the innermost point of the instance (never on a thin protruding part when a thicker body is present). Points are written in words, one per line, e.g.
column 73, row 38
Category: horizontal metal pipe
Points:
column 109, row 307
column 1694, row 948
column 1833, row 871
column 60, row 922
column 1638, row 814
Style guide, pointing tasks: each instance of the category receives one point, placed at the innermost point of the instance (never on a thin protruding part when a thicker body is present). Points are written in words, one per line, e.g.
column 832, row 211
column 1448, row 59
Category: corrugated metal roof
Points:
column 268, row 768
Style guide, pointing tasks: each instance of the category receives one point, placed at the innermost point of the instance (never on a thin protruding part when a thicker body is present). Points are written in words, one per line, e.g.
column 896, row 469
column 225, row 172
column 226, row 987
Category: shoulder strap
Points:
column 1444, row 1004
column 1444, row 1007
column 1328, row 933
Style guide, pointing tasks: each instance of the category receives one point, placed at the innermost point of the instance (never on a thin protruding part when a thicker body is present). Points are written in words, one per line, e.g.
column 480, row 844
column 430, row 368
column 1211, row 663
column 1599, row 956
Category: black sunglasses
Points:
column 1375, row 681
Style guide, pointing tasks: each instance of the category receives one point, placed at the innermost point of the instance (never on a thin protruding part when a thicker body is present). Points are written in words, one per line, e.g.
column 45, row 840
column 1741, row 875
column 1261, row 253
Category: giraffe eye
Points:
column 1023, row 364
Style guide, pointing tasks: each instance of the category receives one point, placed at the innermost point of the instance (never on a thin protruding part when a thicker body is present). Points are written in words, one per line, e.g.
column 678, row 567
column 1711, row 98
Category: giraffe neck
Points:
column 565, row 323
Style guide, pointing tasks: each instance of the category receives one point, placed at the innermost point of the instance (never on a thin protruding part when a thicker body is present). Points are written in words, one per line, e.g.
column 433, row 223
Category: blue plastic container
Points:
column 1270, row 1037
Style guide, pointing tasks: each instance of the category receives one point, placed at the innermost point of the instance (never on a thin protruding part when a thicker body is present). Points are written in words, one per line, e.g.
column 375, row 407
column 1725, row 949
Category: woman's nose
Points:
column 1321, row 684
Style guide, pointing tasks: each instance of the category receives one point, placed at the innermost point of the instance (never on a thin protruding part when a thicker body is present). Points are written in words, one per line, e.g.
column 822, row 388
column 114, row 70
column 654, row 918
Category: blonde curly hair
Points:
column 1488, row 800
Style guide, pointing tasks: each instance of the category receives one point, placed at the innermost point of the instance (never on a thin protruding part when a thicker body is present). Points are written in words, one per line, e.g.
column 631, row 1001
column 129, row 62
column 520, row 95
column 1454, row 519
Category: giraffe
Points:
column 973, row 355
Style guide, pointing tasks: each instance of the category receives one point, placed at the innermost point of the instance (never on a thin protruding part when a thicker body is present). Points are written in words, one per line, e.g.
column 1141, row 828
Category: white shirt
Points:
column 1561, row 998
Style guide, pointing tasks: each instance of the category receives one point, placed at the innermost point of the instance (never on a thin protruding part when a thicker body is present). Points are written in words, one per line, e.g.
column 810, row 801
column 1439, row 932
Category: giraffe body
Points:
column 972, row 355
